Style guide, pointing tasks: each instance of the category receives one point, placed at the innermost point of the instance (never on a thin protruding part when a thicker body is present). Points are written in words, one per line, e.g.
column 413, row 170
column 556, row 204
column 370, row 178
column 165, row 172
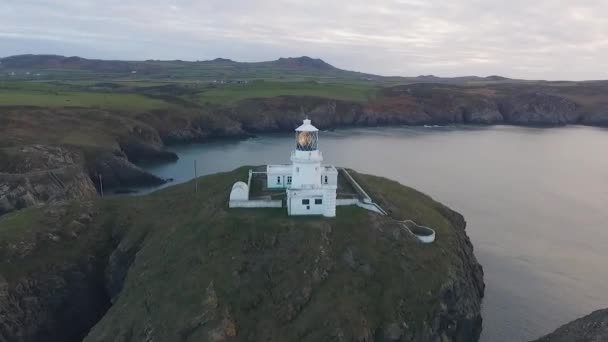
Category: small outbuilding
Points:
column 240, row 192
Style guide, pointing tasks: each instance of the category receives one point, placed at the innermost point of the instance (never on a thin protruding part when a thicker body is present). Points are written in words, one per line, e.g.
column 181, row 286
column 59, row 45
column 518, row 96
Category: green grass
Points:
column 79, row 99
column 226, row 94
column 130, row 95
column 41, row 239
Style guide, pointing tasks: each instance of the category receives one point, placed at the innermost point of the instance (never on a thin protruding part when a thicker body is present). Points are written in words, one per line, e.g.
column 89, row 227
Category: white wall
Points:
column 278, row 180
column 297, row 207
column 331, row 174
column 280, row 173
column 371, row 207
column 346, row 201
column 256, row 204
column 329, row 201
column 306, row 175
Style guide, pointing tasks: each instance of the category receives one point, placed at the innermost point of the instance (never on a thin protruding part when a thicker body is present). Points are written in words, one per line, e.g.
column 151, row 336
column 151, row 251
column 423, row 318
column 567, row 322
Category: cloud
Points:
column 549, row 39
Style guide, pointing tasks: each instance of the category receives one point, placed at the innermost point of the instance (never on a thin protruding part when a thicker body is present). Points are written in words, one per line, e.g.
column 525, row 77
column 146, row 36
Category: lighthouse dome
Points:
column 307, row 127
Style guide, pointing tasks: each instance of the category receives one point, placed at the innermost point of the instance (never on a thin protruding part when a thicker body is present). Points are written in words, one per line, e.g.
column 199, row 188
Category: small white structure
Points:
column 311, row 187
column 240, row 192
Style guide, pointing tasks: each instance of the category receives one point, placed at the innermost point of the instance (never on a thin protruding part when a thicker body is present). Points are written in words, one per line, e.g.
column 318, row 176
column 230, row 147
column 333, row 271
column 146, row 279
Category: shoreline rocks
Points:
column 591, row 328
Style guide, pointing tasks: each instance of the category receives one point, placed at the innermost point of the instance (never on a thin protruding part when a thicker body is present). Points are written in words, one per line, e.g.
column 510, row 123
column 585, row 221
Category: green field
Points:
column 130, row 95
column 78, row 99
column 340, row 91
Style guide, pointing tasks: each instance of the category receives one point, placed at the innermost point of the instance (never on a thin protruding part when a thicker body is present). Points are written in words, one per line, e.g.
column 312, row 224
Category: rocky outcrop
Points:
column 117, row 171
column 591, row 328
column 38, row 174
column 461, row 299
column 539, row 109
column 137, row 152
column 596, row 118
column 180, row 126
column 482, row 111
column 19, row 191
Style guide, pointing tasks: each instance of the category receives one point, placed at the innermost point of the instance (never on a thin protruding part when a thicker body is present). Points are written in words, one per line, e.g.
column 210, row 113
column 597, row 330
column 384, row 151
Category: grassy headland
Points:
column 184, row 267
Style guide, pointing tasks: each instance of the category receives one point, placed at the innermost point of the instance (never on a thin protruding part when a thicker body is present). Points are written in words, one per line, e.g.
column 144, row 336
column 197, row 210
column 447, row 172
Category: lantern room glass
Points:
column 307, row 141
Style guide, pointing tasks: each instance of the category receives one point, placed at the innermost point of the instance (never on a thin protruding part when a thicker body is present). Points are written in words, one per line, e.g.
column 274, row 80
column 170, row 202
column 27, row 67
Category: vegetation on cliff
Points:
column 179, row 265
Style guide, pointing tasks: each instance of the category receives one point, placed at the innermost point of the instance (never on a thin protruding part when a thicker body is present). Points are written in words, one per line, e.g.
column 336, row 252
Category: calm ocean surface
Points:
column 536, row 203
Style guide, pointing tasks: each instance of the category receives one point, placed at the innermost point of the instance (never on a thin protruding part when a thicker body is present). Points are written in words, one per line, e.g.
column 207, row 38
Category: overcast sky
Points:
column 534, row 39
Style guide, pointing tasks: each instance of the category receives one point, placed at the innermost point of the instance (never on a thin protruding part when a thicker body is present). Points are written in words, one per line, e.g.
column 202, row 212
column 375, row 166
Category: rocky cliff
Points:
column 37, row 174
column 418, row 105
column 591, row 328
column 54, row 155
column 179, row 266
column 51, row 273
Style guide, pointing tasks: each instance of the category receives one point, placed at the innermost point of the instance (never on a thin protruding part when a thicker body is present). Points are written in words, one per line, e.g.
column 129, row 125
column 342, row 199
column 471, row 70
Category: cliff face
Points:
column 51, row 273
column 180, row 266
column 591, row 328
column 417, row 105
column 540, row 109
column 39, row 174
column 54, row 155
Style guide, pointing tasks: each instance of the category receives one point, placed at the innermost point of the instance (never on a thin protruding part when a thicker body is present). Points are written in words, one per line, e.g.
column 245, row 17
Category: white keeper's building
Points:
column 310, row 185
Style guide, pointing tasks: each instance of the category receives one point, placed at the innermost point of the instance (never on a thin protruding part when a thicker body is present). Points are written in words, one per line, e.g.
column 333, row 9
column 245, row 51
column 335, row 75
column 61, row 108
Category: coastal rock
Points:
column 597, row 118
column 137, row 151
column 591, row 328
column 118, row 171
column 187, row 126
column 42, row 174
column 539, row 109
column 482, row 111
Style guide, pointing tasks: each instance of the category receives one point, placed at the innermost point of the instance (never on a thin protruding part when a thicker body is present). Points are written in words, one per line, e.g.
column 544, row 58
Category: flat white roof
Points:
column 278, row 168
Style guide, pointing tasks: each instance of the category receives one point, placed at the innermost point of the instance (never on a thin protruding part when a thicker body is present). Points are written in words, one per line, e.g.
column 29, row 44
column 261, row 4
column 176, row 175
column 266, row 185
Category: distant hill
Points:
column 61, row 67
column 54, row 67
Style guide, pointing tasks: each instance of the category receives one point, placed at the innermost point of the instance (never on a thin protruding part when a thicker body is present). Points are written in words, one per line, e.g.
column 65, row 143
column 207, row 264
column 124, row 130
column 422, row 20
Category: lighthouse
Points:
column 310, row 185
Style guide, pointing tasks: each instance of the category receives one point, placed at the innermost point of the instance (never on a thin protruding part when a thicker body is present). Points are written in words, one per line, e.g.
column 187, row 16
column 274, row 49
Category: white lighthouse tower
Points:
column 311, row 187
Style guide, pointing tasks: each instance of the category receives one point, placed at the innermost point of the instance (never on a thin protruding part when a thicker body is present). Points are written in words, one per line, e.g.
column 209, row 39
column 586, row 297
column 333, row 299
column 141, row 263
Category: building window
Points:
column 318, row 201
column 305, row 201
column 288, row 179
column 279, row 180
column 325, row 179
